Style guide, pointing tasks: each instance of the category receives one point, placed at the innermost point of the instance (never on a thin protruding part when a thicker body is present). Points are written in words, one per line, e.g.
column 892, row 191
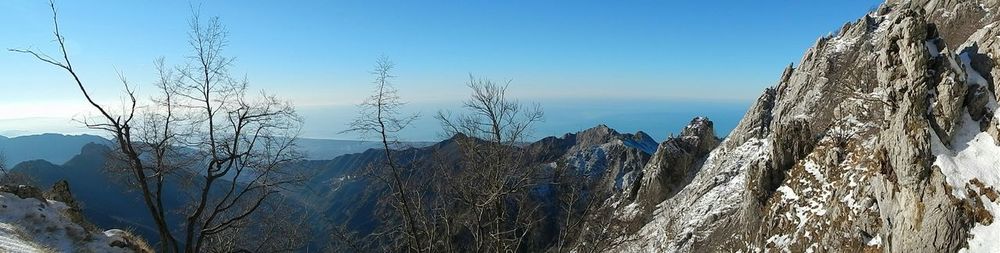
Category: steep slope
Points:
column 653, row 173
column 884, row 138
column 676, row 161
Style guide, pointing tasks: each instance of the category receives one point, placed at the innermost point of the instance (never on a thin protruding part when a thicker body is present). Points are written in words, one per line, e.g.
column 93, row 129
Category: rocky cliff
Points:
column 884, row 137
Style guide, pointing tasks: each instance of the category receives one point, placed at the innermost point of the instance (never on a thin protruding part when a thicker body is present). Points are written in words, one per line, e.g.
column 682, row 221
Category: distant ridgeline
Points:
column 55, row 148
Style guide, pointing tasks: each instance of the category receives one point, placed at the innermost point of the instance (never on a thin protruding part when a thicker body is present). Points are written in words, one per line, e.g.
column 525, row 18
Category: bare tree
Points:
column 856, row 82
column 4, row 173
column 478, row 199
column 274, row 228
column 491, row 189
column 203, row 127
column 8, row 177
column 380, row 115
column 491, row 115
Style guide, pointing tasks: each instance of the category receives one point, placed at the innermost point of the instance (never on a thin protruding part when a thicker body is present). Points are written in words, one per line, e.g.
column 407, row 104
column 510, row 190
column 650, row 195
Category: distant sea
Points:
column 658, row 118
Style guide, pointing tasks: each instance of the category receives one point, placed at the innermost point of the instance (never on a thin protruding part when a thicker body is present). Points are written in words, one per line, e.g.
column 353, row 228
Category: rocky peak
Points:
column 698, row 127
column 595, row 136
column 676, row 160
column 699, row 134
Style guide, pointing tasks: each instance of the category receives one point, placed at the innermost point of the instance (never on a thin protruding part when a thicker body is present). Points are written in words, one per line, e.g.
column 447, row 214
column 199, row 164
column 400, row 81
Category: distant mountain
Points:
column 59, row 148
column 337, row 193
column 106, row 201
column 55, row 148
column 612, row 161
column 326, row 149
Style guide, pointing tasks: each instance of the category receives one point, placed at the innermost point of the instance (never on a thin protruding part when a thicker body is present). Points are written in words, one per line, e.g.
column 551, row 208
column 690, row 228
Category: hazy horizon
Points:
column 656, row 118
column 585, row 63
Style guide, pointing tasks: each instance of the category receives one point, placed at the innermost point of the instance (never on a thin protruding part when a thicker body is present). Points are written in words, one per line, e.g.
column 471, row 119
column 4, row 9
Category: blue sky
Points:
column 629, row 62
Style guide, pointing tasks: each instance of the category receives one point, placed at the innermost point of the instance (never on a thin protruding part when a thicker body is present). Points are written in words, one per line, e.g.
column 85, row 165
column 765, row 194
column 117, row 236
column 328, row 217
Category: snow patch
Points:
column 875, row 241
column 973, row 155
column 781, row 241
column 984, row 238
column 972, row 76
column 35, row 225
column 841, row 44
column 787, row 193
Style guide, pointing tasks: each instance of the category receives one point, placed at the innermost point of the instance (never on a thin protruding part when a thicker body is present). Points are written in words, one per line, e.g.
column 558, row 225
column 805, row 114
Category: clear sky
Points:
column 634, row 65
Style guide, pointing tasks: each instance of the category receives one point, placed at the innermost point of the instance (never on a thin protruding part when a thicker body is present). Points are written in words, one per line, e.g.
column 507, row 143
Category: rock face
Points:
column 883, row 138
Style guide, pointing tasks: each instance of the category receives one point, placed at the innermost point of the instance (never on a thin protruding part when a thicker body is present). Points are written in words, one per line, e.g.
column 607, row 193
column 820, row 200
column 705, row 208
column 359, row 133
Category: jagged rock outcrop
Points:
column 60, row 192
column 791, row 142
column 22, row 191
column 612, row 160
column 676, row 160
column 883, row 138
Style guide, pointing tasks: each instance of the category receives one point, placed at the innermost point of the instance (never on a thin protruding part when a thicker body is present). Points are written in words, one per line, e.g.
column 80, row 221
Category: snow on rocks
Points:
column 984, row 237
column 973, row 162
column 840, row 44
column 974, row 155
column 823, row 191
column 787, row 193
column 715, row 192
column 874, row 241
column 39, row 225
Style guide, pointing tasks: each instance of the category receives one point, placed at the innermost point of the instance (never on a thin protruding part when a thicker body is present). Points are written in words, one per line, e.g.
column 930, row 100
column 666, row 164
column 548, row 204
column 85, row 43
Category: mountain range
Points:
column 885, row 137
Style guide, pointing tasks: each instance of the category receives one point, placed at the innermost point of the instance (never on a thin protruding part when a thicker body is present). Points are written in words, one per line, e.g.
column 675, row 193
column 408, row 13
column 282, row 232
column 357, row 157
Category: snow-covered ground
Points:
column 36, row 225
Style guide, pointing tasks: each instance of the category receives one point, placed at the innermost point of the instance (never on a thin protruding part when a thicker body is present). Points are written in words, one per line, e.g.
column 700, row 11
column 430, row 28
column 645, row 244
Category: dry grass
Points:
column 136, row 243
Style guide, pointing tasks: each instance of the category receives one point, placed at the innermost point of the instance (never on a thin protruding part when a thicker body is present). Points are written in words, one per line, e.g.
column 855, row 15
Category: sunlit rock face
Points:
column 884, row 137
